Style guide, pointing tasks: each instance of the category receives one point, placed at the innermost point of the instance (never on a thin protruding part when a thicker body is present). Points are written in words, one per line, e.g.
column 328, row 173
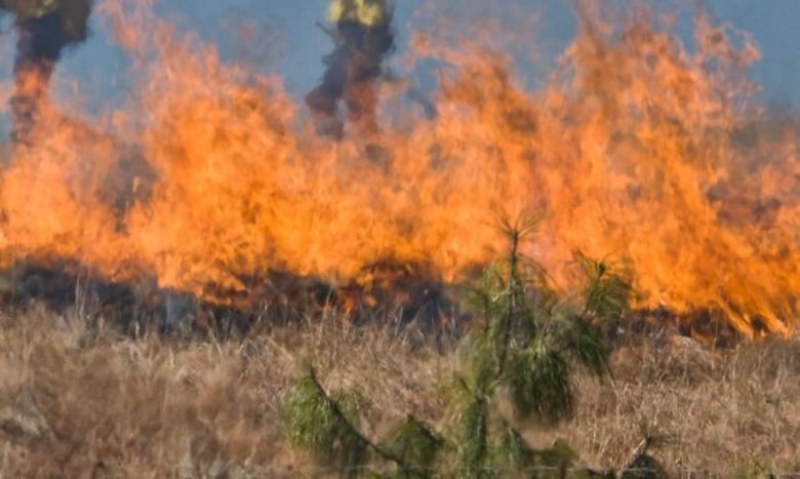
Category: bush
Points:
column 527, row 345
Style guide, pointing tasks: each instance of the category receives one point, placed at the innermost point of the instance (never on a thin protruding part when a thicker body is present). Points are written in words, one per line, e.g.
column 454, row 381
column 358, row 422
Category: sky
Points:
column 292, row 44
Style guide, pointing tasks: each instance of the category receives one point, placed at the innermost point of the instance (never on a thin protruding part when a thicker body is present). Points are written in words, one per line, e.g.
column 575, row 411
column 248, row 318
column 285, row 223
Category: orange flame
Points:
column 632, row 150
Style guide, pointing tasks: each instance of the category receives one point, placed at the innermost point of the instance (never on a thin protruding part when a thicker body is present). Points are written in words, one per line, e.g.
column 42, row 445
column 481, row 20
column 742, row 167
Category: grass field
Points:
column 79, row 400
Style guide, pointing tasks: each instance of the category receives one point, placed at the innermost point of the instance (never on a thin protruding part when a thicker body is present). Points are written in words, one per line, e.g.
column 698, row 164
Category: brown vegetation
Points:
column 78, row 400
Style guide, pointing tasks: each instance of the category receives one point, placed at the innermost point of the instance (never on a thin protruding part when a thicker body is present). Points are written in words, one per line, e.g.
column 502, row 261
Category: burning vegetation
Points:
column 207, row 183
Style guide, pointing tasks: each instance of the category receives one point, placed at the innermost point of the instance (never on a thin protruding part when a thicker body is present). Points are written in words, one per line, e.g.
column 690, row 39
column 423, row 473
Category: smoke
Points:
column 45, row 31
column 351, row 72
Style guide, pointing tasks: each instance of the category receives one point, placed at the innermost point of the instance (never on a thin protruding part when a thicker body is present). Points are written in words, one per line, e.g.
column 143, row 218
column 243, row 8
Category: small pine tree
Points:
column 526, row 348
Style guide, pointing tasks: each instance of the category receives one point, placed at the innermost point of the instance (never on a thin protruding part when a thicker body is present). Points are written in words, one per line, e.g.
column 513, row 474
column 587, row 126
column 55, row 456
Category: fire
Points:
column 631, row 150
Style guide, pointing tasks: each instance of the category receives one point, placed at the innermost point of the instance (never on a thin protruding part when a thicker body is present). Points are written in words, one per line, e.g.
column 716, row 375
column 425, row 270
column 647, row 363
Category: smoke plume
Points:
column 352, row 70
column 45, row 30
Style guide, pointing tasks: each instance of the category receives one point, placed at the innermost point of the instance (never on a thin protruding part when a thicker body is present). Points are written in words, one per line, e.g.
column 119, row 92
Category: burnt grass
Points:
column 405, row 292
column 96, row 379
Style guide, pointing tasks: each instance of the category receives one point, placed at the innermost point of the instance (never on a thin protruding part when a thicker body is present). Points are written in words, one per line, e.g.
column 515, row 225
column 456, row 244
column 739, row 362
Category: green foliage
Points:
column 514, row 453
column 473, row 439
column 556, row 461
column 414, row 444
column 485, row 361
column 538, row 382
column 323, row 427
column 525, row 349
column 607, row 289
column 582, row 343
column 350, row 403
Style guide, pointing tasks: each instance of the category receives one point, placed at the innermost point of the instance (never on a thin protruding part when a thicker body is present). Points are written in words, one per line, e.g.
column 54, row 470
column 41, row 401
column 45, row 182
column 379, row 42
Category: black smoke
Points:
column 45, row 30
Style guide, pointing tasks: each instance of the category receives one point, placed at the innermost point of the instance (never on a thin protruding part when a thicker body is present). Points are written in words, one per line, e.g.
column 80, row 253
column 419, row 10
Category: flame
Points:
column 632, row 150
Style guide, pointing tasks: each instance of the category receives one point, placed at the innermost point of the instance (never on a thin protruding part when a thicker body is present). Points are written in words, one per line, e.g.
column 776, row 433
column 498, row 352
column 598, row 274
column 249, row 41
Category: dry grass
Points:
column 724, row 413
column 75, row 402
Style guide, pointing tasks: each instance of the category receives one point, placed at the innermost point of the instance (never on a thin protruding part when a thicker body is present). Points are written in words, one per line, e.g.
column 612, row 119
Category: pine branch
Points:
column 514, row 285
column 380, row 451
column 607, row 289
column 539, row 385
column 414, row 443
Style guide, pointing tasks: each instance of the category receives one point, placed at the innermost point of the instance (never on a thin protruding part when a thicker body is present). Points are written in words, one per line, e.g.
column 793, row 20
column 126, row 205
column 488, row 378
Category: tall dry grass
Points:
column 80, row 400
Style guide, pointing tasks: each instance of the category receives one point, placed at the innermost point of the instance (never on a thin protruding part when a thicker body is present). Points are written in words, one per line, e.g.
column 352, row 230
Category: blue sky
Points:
column 294, row 44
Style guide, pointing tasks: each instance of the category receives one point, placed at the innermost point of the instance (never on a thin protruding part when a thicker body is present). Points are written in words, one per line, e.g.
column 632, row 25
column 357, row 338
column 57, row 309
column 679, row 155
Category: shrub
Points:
column 526, row 346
